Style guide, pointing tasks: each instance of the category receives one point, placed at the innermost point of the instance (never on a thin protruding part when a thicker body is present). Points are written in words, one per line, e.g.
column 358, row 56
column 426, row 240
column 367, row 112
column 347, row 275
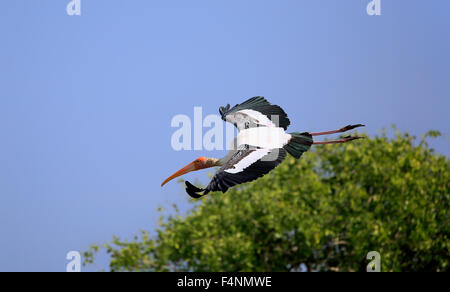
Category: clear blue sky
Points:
column 86, row 101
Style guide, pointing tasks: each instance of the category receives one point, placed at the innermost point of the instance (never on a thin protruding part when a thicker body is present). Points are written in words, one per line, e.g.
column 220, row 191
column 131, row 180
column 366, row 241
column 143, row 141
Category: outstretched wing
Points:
column 256, row 111
column 245, row 165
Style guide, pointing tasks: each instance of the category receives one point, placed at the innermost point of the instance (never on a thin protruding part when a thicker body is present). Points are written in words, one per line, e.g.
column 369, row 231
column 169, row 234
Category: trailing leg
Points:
column 342, row 140
column 341, row 130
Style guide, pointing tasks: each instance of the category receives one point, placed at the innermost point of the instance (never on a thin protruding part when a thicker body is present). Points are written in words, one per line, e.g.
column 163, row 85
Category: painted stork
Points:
column 260, row 146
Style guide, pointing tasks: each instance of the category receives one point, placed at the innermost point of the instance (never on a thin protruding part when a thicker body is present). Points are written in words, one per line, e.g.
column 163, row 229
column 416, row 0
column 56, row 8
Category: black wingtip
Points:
column 193, row 191
column 224, row 109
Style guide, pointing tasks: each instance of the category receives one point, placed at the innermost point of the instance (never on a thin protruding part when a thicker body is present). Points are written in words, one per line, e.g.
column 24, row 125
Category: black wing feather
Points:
column 223, row 180
column 193, row 191
column 258, row 103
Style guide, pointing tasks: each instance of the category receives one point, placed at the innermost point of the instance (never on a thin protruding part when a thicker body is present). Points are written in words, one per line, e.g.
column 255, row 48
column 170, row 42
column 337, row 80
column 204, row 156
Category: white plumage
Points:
column 243, row 117
column 248, row 160
column 263, row 137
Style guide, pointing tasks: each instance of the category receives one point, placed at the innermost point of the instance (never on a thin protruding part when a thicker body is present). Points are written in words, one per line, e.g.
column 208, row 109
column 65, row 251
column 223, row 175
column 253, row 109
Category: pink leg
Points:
column 341, row 130
column 342, row 140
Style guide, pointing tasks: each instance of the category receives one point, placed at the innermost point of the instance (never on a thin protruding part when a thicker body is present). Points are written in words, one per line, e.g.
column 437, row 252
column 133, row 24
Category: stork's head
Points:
column 197, row 164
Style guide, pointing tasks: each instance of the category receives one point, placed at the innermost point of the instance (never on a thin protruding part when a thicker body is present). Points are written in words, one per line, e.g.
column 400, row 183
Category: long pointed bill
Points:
column 188, row 168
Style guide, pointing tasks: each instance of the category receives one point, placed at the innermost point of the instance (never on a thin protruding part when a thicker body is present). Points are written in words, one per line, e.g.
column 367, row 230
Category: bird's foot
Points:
column 350, row 127
column 350, row 138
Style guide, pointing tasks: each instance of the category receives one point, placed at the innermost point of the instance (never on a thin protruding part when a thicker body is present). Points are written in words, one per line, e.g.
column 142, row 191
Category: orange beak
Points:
column 188, row 168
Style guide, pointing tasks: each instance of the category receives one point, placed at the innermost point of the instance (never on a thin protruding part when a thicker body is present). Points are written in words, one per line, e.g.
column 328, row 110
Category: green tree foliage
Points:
column 324, row 212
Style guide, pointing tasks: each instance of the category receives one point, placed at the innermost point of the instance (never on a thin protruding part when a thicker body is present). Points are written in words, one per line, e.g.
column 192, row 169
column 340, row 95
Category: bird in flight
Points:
column 260, row 146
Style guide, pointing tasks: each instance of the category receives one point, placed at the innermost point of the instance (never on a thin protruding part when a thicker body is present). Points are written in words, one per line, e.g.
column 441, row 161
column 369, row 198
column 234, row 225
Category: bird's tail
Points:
column 299, row 143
